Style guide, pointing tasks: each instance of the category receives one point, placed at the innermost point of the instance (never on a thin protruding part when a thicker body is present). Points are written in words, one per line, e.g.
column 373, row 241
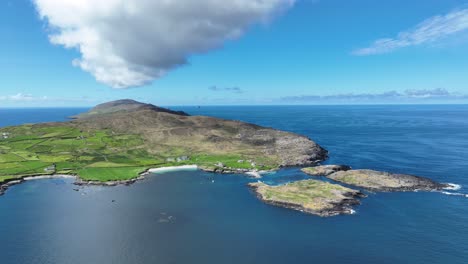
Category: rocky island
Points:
column 385, row 182
column 310, row 196
column 117, row 141
column 375, row 180
column 326, row 199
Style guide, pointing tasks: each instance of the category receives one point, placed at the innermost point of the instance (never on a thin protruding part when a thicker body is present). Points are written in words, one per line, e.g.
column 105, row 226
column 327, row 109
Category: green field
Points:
column 110, row 173
column 94, row 155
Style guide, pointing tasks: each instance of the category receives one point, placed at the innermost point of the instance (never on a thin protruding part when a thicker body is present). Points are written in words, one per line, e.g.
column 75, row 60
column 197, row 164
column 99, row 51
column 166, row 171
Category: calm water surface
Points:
column 185, row 217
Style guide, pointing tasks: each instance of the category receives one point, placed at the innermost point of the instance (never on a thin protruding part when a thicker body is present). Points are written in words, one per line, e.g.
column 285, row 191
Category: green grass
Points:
column 232, row 161
column 6, row 178
column 110, row 174
column 10, row 157
column 99, row 155
column 105, row 164
column 311, row 194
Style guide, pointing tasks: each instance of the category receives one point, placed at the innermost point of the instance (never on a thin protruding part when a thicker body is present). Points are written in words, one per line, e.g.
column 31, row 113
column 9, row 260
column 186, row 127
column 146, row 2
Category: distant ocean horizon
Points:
column 197, row 217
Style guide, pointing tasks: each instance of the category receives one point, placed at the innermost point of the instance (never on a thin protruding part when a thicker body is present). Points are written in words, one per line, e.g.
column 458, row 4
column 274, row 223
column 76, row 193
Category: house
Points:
column 51, row 168
column 178, row 159
column 5, row 135
column 182, row 158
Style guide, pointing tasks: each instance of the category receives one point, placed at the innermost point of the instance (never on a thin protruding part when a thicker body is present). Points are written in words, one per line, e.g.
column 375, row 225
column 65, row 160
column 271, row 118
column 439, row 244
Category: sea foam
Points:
column 453, row 187
column 455, row 194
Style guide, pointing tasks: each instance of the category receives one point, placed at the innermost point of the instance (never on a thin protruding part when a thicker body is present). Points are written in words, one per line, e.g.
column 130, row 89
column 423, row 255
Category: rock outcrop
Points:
column 384, row 181
column 325, row 170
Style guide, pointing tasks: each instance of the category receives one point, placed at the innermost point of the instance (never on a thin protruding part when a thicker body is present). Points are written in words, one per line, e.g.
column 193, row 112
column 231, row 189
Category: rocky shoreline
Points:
column 14, row 181
column 224, row 170
column 316, row 197
column 325, row 170
column 80, row 182
column 326, row 199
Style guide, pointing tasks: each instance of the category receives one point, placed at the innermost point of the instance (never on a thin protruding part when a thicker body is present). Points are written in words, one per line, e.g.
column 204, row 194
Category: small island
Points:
column 375, row 180
column 310, row 196
column 386, row 182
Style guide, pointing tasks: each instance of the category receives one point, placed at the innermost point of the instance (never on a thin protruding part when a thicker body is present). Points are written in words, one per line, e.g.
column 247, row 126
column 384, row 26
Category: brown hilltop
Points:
column 165, row 130
column 125, row 105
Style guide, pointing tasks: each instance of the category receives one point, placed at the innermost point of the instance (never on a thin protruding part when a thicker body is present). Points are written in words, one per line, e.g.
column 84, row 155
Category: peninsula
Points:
column 119, row 140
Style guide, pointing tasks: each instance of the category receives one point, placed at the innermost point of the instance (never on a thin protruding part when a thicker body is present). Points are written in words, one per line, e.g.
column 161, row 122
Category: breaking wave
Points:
column 453, row 187
column 455, row 194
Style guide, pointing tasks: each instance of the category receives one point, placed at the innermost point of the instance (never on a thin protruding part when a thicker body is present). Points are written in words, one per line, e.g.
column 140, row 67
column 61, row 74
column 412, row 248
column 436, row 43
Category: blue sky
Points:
column 313, row 52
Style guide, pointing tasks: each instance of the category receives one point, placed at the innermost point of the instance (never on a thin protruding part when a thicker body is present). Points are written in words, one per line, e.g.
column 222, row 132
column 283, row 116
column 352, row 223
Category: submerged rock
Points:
column 384, row 181
column 325, row 170
column 310, row 196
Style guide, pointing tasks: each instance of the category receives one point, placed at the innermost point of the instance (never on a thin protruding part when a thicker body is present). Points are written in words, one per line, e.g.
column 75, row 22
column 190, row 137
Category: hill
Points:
column 120, row 139
column 125, row 105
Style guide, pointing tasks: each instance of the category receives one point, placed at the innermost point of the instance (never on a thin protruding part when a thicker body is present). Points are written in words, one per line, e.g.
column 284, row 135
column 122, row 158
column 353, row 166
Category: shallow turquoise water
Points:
column 184, row 217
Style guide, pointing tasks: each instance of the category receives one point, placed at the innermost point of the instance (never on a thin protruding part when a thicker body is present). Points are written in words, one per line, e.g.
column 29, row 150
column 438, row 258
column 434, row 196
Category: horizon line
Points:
column 242, row 105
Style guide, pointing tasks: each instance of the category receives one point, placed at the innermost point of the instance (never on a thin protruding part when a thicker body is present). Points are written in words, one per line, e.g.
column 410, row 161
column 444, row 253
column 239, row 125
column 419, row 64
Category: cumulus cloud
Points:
column 438, row 94
column 226, row 89
column 131, row 43
column 428, row 31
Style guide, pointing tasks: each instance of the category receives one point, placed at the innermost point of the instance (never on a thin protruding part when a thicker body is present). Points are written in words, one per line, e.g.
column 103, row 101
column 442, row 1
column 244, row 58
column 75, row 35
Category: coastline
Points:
column 173, row 168
column 10, row 182
column 80, row 182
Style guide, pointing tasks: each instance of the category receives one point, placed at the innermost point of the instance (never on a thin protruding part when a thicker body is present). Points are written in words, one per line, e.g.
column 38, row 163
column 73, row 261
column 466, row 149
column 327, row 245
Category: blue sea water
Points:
column 185, row 217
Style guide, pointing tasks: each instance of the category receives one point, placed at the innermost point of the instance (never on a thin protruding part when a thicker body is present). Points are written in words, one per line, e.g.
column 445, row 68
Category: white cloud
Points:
column 131, row 43
column 21, row 97
column 233, row 89
column 438, row 94
column 428, row 31
column 30, row 100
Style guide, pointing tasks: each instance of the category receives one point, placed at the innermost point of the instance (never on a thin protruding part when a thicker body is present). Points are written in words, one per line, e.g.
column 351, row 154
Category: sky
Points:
column 243, row 52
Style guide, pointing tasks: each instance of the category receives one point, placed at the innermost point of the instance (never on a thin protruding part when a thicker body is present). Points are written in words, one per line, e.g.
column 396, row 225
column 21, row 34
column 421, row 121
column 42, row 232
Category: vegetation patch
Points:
column 311, row 196
column 116, row 140
column 110, row 173
column 98, row 155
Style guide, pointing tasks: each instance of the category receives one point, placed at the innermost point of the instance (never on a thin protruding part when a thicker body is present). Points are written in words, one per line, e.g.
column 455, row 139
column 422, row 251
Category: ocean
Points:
column 196, row 217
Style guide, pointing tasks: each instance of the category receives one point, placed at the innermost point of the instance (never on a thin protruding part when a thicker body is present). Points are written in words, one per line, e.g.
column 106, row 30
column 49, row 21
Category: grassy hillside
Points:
column 119, row 140
column 98, row 155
